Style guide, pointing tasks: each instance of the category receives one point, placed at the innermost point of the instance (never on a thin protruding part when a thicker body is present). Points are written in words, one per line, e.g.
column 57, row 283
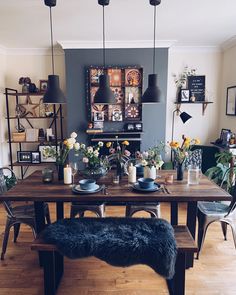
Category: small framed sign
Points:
column 24, row 157
column 35, row 158
column 185, row 93
column 196, row 85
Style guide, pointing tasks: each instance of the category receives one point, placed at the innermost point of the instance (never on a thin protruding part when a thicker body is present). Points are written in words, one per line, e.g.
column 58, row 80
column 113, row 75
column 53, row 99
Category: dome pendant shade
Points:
column 104, row 94
column 152, row 93
column 185, row 117
column 54, row 94
column 50, row 3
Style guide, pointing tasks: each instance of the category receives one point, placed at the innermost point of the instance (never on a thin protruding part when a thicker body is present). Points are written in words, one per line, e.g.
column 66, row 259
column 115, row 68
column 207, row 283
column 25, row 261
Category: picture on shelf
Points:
column 48, row 153
column 43, row 85
column 23, row 157
column 185, row 93
column 196, row 85
column 98, row 116
column 35, row 158
column 231, row 101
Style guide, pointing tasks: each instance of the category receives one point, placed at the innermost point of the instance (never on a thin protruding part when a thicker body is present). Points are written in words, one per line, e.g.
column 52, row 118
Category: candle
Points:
column 67, row 175
column 132, row 174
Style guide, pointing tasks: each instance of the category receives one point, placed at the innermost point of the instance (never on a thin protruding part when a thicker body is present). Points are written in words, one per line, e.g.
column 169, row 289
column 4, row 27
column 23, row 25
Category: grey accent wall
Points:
column 77, row 62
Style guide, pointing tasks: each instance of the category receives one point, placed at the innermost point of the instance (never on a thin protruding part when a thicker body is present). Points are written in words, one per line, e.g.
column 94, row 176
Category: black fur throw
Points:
column 118, row 241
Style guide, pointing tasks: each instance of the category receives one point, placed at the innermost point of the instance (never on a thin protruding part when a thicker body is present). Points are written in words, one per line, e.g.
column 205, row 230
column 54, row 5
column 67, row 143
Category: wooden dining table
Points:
column 33, row 189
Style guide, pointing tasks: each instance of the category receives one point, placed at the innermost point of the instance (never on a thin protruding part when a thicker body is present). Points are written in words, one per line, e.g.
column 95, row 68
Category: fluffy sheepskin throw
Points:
column 118, row 241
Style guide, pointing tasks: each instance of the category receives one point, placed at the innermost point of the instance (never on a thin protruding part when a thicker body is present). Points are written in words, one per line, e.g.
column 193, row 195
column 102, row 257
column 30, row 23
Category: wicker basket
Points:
column 18, row 136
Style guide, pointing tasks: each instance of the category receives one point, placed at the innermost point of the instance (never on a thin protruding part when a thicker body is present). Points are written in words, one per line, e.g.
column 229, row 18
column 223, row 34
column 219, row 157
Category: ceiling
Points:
column 25, row 23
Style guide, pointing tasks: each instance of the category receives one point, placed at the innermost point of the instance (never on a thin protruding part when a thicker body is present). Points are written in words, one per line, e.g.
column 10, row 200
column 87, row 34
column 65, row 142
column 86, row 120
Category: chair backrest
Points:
column 7, row 180
column 232, row 205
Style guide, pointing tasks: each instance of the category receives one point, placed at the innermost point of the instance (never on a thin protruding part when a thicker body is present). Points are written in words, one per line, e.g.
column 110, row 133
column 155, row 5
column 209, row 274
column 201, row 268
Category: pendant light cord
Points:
column 104, row 39
column 52, row 49
column 154, row 44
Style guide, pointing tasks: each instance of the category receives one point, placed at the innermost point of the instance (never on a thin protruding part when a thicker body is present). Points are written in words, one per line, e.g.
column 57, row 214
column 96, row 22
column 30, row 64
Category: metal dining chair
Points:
column 209, row 212
column 16, row 215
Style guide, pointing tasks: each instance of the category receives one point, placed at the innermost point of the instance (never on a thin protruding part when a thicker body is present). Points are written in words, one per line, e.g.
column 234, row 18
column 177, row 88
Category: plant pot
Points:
column 180, row 171
column 150, row 172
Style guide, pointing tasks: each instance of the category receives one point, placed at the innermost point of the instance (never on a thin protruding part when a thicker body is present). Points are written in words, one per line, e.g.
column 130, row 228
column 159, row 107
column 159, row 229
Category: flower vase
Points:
column 180, row 171
column 60, row 171
column 150, row 172
column 179, row 94
column 119, row 169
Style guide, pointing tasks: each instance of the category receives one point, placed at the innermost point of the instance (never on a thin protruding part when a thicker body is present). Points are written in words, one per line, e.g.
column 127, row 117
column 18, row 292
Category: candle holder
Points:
column 47, row 174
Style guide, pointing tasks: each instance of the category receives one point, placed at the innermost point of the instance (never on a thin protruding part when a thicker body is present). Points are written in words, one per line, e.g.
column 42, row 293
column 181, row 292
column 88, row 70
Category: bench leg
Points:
column 176, row 285
column 174, row 213
column 59, row 268
column 49, row 272
column 191, row 224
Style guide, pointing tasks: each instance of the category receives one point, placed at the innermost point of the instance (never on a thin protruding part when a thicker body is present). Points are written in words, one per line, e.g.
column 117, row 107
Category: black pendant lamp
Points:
column 104, row 94
column 153, row 93
column 54, row 94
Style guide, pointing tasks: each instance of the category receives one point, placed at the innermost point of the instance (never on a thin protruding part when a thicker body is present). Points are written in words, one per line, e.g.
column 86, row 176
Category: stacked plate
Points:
column 154, row 188
column 78, row 190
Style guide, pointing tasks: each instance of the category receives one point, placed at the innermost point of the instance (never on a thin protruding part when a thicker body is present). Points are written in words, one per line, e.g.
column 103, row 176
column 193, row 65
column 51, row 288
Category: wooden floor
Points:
column 214, row 273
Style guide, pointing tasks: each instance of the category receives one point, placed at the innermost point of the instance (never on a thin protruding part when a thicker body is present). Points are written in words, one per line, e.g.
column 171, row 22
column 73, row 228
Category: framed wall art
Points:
column 126, row 84
column 24, row 157
column 48, row 153
column 231, row 101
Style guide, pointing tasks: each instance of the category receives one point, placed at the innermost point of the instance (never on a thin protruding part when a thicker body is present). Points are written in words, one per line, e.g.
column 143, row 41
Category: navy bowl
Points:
column 146, row 182
column 87, row 184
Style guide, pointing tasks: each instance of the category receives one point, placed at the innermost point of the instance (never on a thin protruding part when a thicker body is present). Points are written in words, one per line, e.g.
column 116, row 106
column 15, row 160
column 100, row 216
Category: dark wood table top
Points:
column 33, row 189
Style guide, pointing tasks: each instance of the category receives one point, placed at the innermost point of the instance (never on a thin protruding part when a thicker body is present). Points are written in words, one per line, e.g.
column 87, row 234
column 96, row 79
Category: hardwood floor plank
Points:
column 213, row 274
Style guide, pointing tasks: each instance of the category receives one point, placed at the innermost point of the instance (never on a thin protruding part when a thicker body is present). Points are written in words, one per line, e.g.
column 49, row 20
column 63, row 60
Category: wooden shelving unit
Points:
column 55, row 121
column 203, row 103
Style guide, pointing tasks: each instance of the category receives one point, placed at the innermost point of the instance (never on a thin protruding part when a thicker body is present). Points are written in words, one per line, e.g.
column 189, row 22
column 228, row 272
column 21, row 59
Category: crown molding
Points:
column 116, row 44
column 195, row 49
column 34, row 51
column 231, row 42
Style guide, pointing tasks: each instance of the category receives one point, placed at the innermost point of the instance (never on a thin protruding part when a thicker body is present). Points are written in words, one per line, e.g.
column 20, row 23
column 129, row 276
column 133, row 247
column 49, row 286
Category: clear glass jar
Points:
column 193, row 174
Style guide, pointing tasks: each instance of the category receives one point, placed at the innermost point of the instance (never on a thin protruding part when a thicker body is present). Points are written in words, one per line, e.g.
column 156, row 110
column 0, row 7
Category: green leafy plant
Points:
column 223, row 173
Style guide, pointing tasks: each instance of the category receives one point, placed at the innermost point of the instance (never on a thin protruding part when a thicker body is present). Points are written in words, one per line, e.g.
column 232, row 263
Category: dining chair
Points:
column 16, row 215
column 209, row 212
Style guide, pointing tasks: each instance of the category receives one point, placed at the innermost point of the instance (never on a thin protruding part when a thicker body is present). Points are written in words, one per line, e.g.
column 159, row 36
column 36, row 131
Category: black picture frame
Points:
column 231, row 101
column 197, row 87
column 35, row 157
column 225, row 136
column 24, row 156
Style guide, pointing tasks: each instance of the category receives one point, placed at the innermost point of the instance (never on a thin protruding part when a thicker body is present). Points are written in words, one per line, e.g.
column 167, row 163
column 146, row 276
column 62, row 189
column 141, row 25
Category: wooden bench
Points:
column 53, row 263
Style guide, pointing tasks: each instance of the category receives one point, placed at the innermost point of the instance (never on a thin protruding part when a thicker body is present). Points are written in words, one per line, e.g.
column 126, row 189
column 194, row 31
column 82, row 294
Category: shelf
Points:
column 30, row 164
column 24, row 94
column 36, row 142
column 115, row 133
column 27, row 118
column 119, row 139
column 203, row 103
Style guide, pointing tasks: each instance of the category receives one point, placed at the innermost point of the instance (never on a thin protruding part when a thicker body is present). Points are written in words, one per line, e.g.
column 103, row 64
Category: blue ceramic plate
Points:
column 77, row 190
column 155, row 188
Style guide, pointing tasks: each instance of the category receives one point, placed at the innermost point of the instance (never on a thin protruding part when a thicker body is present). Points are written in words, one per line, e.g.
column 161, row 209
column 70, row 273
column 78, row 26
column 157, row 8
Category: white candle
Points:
column 67, row 175
column 132, row 174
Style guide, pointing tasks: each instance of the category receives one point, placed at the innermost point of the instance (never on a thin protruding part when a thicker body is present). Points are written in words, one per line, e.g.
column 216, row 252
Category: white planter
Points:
column 150, row 172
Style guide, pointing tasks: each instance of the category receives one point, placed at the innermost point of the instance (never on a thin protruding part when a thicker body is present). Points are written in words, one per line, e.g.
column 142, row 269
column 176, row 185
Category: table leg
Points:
column 191, row 224
column 60, row 210
column 174, row 213
column 39, row 216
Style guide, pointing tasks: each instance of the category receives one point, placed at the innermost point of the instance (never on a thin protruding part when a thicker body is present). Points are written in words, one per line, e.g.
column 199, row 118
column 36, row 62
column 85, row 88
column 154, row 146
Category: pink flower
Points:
column 112, row 150
column 118, row 148
column 127, row 153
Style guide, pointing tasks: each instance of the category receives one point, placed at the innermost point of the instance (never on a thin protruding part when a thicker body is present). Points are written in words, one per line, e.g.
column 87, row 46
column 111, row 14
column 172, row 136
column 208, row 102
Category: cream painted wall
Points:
column 228, row 79
column 207, row 63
